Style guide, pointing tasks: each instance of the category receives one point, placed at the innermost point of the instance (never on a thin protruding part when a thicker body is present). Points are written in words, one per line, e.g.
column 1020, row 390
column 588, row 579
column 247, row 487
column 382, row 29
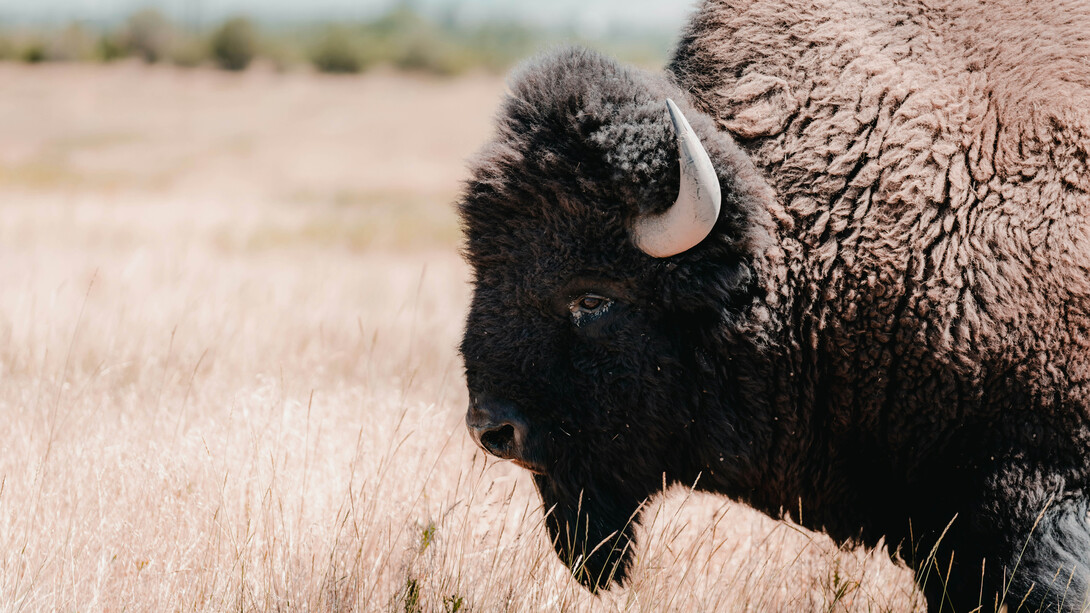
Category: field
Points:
column 229, row 308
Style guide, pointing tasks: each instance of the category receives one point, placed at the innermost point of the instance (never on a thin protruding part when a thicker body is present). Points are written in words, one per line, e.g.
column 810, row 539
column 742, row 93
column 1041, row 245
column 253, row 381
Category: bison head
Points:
column 617, row 258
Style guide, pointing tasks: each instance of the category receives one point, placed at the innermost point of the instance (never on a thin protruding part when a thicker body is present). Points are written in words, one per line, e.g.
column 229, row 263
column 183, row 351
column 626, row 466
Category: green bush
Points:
column 33, row 52
column 402, row 37
column 149, row 35
column 435, row 55
column 498, row 45
column 337, row 51
column 109, row 48
column 71, row 44
column 284, row 51
column 234, row 44
column 190, row 52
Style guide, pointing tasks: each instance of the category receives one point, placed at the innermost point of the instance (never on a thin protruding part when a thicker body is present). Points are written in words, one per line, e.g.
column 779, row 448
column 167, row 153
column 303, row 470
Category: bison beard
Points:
column 591, row 531
column 886, row 327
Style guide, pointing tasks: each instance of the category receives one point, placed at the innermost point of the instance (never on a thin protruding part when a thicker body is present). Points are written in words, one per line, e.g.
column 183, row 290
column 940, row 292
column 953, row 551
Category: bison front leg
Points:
column 1050, row 571
column 591, row 530
column 1041, row 562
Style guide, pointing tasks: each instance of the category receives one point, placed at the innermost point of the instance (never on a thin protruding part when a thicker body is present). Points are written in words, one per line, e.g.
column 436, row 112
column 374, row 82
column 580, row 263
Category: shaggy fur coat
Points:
column 930, row 161
column 887, row 333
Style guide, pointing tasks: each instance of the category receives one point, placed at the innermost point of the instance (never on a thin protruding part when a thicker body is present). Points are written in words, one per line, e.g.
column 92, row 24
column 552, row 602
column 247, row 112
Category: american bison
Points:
column 836, row 258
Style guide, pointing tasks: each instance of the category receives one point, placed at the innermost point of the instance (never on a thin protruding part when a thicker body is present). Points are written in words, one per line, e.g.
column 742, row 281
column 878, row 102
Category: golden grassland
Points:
column 229, row 311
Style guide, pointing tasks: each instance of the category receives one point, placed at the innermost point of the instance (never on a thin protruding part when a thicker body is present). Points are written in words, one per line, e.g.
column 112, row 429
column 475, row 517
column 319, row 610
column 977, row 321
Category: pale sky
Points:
column 666, row 15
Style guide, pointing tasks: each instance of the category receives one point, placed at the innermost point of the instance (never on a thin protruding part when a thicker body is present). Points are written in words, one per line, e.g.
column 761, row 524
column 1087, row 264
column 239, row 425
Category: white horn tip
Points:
column 696, row 209
column 680, row 124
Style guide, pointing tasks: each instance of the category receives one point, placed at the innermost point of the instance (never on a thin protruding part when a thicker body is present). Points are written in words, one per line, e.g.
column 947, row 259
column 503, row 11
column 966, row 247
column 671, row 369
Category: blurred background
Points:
column 434, row 36
column 371, row 105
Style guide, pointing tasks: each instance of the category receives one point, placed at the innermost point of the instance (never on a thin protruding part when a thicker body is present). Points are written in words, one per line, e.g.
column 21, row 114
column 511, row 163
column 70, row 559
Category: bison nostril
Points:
column 498, row 441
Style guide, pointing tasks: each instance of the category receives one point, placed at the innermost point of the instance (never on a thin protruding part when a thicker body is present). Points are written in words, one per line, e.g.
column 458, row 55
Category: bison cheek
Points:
column 592, row 532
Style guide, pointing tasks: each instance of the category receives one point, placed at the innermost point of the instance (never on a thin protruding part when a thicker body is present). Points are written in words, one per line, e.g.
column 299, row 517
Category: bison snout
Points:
column 497, row 429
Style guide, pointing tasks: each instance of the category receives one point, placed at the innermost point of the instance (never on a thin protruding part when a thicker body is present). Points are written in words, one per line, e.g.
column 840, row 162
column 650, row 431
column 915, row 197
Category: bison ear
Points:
column 691, row 218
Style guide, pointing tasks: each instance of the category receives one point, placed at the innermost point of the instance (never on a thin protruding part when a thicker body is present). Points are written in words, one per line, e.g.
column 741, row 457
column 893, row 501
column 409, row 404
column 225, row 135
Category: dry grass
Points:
column 224, row 386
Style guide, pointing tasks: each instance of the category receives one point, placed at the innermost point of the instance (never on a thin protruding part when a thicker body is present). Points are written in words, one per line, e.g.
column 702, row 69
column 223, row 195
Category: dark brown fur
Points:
column 931, row 163
column 893, row 341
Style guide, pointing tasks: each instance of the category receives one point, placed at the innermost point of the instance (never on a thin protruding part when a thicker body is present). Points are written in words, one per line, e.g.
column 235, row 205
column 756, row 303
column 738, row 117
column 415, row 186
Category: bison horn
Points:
column 690, row 219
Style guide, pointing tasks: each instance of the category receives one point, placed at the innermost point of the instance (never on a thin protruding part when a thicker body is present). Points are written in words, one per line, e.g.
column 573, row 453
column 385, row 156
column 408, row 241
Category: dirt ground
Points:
column 229, row 307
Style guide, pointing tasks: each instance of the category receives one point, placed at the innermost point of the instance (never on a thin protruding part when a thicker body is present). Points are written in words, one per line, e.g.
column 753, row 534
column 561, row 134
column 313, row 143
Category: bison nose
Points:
column 500, row 441
column 496, row 429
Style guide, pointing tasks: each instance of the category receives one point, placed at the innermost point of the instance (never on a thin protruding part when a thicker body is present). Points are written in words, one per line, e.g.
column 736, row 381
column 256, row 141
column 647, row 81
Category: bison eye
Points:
column 588, row 307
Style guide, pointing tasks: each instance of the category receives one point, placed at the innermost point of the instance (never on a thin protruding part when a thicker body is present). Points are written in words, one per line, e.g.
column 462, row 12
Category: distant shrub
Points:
column 498, row 45
column 109, row 48
column 33, row 52
column 190, row 52
column 73, row 43
column 234, row 44
column 149, row 35
column 337, row 51
column 402, row 38
column 284, row 51
column 435, row 55
column 409, row 41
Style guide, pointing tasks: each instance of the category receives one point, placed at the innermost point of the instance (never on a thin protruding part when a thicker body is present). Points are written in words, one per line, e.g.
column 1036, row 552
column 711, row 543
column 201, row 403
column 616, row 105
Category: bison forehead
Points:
column 577, row 134
column 544, row 273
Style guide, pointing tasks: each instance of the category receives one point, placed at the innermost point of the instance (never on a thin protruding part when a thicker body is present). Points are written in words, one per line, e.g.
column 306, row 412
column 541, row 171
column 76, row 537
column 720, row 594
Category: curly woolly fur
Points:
column 888, row 329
